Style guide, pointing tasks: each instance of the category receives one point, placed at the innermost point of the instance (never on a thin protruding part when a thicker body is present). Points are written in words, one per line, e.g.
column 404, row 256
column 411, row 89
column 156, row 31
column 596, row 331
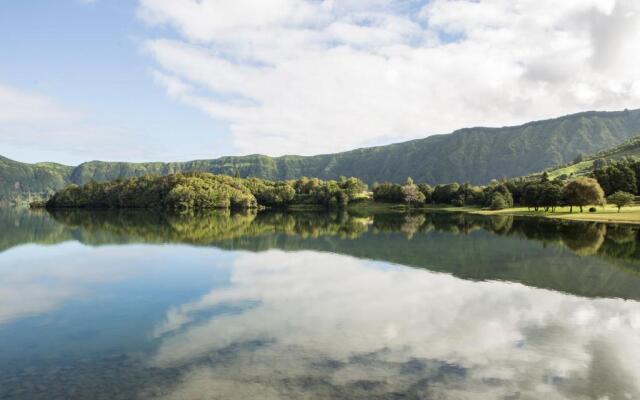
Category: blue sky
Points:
column 88, row 58
column 142, row 80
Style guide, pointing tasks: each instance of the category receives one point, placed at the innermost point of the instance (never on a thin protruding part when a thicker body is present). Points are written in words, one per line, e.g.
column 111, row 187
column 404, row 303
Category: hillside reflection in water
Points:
column 136, row 304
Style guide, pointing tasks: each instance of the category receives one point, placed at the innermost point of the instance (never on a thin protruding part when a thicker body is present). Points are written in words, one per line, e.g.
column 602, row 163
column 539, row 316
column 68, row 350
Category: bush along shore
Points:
column 208, row 191
column 538, row 194
column 203, row 190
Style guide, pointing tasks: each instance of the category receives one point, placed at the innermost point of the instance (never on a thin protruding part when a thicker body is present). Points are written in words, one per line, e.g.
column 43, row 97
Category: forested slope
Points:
column 473, row 154
column 20, row 180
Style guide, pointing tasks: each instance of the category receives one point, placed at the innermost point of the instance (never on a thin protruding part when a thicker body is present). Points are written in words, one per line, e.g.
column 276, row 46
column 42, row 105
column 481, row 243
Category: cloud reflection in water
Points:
column 316, row 325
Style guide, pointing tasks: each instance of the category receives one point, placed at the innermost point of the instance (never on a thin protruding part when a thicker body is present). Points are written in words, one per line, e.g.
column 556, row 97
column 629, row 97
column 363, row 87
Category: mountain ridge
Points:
column 476, row 154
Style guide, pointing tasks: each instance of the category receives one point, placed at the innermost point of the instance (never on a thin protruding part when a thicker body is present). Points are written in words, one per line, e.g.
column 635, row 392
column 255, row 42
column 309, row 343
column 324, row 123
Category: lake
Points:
column 142, row 305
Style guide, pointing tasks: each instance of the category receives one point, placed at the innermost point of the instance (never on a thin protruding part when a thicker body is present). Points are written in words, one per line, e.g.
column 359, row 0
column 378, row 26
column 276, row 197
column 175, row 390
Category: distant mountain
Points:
column 473, row 154
column 20, row 181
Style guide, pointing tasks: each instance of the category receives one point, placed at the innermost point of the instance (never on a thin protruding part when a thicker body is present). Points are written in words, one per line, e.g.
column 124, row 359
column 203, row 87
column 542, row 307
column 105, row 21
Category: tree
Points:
column 544, row 178
column 444, row 194
column 599, row 163
column 498, row 201
column 501, row 189
column 619, row 176
column 582, row 192
column 411, row 193
column 531, row 195
column 388, row 192
column 550, row 196
column 352, row 187
column 621, row 199
column 427, row 191
column 516, row 187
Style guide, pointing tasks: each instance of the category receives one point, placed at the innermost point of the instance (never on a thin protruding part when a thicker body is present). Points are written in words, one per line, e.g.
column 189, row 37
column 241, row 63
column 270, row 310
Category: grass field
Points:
column 609, row 213
column 579, row 169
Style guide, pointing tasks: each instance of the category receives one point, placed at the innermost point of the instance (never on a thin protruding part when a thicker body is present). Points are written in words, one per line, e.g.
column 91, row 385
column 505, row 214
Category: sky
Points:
column 169, row 80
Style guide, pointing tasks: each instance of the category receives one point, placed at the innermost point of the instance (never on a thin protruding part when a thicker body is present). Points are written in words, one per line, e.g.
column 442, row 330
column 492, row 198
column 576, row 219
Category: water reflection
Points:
column 133, row 304
column 315, row 325
column 110, row 227
column 34, row 283
column 587, row 259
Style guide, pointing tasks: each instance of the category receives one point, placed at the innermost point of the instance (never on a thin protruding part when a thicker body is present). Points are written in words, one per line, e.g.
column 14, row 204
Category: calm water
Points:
column 128, row 305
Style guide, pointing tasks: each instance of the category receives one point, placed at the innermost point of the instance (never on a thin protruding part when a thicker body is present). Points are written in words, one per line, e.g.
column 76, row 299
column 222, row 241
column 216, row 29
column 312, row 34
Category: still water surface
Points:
column 137, row 305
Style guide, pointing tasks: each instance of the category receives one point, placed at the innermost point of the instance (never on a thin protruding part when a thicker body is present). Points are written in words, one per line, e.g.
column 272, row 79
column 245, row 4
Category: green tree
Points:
column 353, row 187
column 621, row 199
column 531, row 195
column 498, row 201
column 619, row 176
column 583, row 192
column 599, row 163
column 411, row 193
column 544, row 178
column 501, row 189
column 445, row 194
column 388, row 192
column 427, row 191
column 550, row 196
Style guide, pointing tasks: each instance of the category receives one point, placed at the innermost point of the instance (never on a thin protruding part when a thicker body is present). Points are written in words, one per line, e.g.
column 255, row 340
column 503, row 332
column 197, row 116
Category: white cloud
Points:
column 36, row 122
column 298, row 76
column 39, row 128
column 20, row 106
column 309, row 309
column 38, row 282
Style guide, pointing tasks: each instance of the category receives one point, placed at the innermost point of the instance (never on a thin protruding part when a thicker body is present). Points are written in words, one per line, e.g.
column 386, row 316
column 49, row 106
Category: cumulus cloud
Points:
column 304, row 326
column 298, row 76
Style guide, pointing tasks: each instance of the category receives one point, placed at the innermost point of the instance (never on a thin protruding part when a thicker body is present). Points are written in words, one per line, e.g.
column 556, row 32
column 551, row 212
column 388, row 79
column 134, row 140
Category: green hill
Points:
column 19, row 181
column 473, row 154
column 629, row 148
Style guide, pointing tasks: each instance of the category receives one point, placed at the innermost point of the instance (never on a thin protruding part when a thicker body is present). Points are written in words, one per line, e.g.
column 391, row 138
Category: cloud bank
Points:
column 297, row 76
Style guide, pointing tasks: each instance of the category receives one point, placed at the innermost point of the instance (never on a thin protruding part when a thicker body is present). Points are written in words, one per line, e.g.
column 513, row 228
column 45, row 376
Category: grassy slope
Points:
column 629, row 148
column 475, row 154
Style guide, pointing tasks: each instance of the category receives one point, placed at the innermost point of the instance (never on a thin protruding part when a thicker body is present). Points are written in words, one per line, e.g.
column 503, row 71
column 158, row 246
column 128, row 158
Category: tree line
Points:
column 618, row 176
column 202, row 190
column 535, row 194
column 496, row 195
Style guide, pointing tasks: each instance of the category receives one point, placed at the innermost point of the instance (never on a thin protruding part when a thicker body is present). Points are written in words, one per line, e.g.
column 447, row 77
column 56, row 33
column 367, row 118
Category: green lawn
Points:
column 608, row 213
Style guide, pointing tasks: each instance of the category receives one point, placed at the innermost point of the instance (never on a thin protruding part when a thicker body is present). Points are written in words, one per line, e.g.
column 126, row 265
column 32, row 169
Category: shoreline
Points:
column 606, row 214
